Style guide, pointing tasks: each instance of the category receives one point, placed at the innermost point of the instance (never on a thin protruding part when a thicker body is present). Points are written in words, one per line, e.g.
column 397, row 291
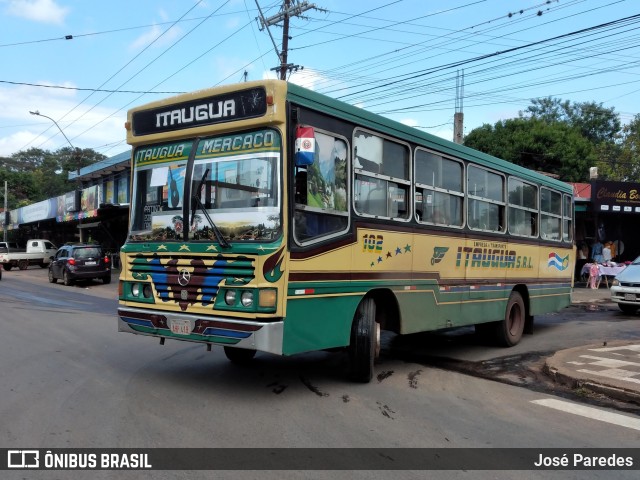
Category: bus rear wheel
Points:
column 239, row 356
column 365, row 342
column 509, row 331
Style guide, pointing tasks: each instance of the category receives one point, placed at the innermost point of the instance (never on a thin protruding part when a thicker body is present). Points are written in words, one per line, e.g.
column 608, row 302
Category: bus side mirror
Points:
column 305, row 146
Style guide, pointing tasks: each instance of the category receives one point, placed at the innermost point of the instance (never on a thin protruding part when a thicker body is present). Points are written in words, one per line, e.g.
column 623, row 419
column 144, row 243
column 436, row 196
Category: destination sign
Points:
column 228, row 107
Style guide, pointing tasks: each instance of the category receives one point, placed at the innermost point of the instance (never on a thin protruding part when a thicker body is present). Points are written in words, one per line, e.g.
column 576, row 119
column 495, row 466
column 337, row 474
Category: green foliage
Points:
column 565, row 139
column 595, row 122
column 34, row 175
column 533, row 143
column 620, row 160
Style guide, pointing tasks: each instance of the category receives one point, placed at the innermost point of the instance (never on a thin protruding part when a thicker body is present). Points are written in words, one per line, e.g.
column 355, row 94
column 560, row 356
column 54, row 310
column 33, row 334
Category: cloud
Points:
column 154, row 36
column 410, row 122
column 20, row 131
column 44, row 11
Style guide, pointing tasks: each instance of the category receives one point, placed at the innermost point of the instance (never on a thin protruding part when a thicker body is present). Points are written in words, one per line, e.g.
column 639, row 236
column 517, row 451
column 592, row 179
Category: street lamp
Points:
column 56, row 123
column 73, row 149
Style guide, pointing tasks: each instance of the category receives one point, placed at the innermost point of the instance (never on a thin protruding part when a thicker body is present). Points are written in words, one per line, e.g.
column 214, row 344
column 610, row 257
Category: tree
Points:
column 595, row 122
column 555, row 147
column 35, row 174
column 620, row 161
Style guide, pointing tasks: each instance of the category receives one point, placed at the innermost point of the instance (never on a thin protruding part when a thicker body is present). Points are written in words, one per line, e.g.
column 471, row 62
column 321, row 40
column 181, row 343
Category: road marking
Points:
column 615, row 373
column 590, row 412
column 610, row 362
column 633, row 348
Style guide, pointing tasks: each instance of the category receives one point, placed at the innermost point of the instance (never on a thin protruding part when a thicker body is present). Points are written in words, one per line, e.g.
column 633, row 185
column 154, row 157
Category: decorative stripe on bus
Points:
column 405, row 275
column 347, row 289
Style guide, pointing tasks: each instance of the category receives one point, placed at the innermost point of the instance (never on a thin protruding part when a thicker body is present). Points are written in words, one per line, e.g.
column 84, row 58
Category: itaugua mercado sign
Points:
column 226, row 107
column 616, row 197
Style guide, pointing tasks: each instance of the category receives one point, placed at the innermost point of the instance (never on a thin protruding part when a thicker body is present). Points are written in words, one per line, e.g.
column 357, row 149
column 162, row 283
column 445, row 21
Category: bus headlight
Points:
column 135, row 289
column 230, row 297
column 246, row 298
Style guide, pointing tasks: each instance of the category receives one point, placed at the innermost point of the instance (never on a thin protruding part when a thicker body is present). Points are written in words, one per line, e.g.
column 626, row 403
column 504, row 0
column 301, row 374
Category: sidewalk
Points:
column 610, row 368
column 599, row 298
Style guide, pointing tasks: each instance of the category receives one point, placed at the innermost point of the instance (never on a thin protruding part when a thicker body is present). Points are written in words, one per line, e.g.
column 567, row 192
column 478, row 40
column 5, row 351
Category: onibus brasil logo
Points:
column 555, row 260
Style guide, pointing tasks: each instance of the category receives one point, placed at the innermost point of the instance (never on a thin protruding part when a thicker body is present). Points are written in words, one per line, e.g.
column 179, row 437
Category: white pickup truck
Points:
column 37, row 252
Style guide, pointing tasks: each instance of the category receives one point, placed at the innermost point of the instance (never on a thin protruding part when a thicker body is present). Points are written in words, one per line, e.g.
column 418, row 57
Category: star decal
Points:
column 184, row 247
column 212, row 247
column 162, row 247
column 390, row 254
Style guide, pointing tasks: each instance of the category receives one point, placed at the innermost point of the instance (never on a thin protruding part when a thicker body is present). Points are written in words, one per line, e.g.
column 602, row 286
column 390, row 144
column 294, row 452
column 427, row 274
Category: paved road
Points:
column 69, row 379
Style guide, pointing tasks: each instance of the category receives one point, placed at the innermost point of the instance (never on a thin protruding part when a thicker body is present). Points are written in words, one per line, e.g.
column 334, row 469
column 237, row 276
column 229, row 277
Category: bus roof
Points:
column 311, row 99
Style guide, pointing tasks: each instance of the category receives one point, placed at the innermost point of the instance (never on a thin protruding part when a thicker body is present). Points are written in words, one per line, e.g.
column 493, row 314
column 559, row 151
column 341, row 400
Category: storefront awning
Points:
column 89, row 225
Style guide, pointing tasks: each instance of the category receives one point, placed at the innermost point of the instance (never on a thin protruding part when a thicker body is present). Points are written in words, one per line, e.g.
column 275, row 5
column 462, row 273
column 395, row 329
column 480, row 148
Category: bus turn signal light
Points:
column 267, row 298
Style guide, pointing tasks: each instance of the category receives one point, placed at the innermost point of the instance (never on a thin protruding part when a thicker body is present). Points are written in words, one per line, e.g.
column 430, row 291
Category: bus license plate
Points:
column 630, row 296
column 180, row 327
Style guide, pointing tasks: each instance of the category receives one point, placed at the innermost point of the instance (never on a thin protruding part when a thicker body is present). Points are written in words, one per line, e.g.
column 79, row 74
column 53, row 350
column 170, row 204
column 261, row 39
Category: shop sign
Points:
column 616, row 197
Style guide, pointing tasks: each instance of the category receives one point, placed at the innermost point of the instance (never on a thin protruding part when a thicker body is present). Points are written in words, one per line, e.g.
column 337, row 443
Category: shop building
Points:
column 607, row 217
column 97, row 211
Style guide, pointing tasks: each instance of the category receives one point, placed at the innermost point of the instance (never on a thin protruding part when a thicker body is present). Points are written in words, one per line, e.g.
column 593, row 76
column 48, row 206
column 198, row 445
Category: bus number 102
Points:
column 372, row 243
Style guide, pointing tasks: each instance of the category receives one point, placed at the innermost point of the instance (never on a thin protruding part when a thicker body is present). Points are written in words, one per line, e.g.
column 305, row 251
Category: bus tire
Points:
column 365, row 342
column 509, row 331
column 239, row 356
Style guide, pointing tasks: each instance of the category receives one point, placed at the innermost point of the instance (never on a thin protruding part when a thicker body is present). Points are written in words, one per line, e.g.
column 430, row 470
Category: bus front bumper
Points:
column 249, row 334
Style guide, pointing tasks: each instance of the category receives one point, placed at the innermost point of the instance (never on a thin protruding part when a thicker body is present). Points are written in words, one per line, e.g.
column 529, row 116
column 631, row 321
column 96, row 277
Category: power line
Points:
column 62, row 87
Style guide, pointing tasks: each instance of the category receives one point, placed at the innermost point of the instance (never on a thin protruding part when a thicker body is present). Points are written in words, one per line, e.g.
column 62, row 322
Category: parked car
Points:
column 625, row 288
column 37, row 252
column 80, row 262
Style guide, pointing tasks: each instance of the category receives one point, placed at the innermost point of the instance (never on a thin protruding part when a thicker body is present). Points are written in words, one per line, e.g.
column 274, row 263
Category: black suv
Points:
column 80, row 262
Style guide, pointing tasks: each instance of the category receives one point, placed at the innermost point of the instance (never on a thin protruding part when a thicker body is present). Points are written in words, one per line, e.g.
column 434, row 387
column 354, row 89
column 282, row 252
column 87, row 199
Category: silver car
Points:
column 625, row 288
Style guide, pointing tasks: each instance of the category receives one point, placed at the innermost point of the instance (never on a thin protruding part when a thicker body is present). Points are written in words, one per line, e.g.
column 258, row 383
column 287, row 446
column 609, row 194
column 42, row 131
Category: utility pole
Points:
column 289, row 9
column 285, row 41
column 458, row 116
column 6, row 213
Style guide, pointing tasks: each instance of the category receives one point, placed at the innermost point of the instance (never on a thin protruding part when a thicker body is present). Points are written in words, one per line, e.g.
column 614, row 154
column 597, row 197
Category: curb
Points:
column 573, row 382
column 616, row 393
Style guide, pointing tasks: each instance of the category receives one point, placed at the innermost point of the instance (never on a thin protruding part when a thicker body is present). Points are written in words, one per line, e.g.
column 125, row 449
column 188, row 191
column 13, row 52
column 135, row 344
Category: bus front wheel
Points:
column 365, row 342
column 509, row 331
column 239, row 356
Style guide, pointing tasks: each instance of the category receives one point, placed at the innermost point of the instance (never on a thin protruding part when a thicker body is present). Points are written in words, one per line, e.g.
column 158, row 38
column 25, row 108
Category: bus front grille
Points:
column 190, row 279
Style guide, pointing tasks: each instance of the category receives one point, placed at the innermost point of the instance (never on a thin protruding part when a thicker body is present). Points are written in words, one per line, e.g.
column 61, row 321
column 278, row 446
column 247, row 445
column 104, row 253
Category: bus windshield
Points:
column 234, row 189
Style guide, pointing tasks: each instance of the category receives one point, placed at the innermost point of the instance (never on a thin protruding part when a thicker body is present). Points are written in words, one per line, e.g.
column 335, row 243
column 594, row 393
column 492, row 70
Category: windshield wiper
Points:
column 195, row 197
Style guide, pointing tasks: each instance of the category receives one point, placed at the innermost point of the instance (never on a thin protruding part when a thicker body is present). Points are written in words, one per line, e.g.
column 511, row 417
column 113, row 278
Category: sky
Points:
column 83, row 64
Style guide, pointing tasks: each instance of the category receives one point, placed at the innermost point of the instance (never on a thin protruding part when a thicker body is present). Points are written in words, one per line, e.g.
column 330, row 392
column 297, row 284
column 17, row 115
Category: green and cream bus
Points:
column 267, row 217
